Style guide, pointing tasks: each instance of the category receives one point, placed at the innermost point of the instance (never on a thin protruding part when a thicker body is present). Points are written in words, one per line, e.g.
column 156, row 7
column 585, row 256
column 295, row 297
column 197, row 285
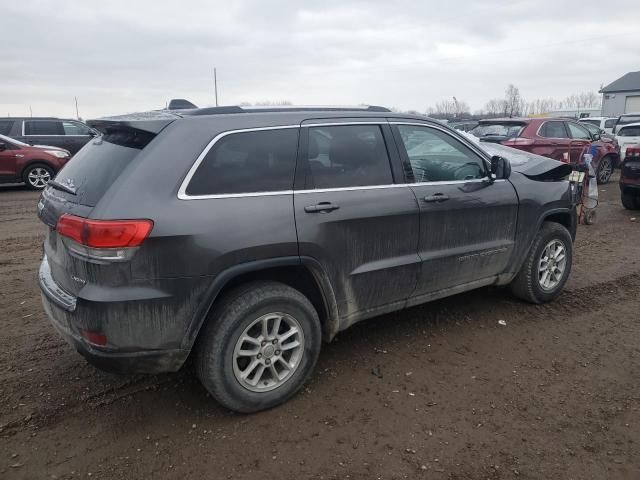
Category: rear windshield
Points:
column 629, row 132
column 99, row 163
column 508, row 130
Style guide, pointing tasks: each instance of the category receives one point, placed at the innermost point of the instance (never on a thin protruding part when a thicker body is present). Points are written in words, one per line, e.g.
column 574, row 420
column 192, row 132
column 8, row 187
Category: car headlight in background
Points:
column 57, row 153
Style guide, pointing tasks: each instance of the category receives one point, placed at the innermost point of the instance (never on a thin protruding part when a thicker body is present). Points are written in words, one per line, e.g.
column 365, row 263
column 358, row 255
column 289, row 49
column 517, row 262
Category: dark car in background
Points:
column 558, row 138
column 246, row 237
column 35, row 166
column 630, row 177
column 70, row 135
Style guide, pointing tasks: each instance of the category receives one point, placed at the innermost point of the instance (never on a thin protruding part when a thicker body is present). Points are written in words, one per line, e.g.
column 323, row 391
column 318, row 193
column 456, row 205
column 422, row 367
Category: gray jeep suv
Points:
column 245, row 238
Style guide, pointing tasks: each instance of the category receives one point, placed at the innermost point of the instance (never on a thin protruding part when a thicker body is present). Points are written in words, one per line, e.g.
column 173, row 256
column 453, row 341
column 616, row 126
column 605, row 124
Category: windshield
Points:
column 590, row 122
column 631, row 131
column 4, row 138
column 99, row 163
column 509, row 130
column 626, row 120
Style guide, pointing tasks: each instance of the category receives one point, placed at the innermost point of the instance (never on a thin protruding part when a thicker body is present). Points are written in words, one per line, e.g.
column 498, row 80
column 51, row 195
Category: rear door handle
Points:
column 321, row 207
column 436, row 197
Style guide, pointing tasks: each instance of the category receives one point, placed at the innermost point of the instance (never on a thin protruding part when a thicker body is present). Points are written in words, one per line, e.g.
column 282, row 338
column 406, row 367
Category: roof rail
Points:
column 284, row 108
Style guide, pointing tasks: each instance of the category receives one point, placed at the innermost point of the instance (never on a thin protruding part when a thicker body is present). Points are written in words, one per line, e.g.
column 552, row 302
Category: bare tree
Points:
column 449, row 108
column 513, row 103
column 582, row 100
column 495, row 106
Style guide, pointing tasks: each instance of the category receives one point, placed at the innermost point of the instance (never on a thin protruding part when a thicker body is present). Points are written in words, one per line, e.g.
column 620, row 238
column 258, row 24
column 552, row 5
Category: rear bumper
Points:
column 66, row 314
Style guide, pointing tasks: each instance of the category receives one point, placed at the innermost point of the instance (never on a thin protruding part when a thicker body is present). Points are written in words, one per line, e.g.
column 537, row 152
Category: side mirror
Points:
column 500, row 168
column 3, row 146
column 596, row 137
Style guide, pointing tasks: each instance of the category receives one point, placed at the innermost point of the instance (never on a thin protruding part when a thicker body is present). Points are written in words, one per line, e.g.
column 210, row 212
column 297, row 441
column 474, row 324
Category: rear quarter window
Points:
column 247, row 162
column 5, row 127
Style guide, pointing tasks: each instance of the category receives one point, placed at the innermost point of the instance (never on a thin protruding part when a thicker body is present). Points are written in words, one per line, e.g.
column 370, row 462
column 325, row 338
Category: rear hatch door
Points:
column 80, row 185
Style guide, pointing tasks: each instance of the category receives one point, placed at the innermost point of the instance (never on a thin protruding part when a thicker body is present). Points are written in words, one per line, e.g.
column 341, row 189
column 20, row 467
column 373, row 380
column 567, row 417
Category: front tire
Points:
column 547, row 266
column 630, row 201
column 37, row 176
column 259, row 346
column 605, row 170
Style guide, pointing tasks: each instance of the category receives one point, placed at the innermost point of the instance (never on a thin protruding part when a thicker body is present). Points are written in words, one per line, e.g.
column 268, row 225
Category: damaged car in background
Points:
column 244, row 238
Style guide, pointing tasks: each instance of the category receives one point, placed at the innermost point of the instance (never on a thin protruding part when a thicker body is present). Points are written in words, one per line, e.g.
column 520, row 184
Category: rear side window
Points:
column 99, row 163
column 43, row 127
column 347, row 156
column 248, row 162
column 5, row 127
column 610, row 123
column 629, row 132
column 553, row 130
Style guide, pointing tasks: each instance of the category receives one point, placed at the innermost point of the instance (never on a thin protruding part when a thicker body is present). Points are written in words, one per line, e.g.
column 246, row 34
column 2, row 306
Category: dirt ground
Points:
column 554, row 394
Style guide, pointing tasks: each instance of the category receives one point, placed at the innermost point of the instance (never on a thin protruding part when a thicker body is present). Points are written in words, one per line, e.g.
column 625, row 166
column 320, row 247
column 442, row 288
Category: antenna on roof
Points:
column 215, row 84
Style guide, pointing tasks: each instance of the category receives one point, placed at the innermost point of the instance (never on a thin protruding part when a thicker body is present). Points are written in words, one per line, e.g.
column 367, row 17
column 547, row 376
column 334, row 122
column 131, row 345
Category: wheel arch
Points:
column 302, row 273
column 33, row 162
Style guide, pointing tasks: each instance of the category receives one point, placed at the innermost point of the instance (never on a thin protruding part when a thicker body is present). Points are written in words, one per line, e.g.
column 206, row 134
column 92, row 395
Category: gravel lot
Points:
column 437, row 391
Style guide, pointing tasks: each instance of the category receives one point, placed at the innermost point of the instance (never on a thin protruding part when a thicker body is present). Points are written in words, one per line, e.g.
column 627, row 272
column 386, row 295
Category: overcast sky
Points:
column 123, row 56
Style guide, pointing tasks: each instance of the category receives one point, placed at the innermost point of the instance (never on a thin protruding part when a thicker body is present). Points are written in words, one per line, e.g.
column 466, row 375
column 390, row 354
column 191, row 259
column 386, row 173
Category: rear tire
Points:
column 605, row 170
column 37, row 175
column 234, row 338
column 630, row 201
column 531, row 284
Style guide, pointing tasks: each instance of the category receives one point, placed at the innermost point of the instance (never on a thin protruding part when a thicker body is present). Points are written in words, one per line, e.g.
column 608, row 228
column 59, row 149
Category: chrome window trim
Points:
column 182, row 195
column 182, row 191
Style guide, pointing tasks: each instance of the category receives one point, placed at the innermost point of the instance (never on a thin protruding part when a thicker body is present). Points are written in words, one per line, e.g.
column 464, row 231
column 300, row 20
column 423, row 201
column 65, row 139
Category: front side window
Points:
column 553, row 130
column 436, row 156
column 347, row 156
column 75, row 128
column 248, row 162
column 578, row 132
column 43, row 127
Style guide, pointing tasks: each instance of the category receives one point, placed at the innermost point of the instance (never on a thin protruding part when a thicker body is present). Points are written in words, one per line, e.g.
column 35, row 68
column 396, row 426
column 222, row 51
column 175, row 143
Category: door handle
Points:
column 436, row 197
column 321, row 207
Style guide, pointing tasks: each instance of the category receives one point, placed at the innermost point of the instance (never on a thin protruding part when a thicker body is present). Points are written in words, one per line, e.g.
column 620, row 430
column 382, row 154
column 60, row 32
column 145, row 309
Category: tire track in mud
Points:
column 570, row 302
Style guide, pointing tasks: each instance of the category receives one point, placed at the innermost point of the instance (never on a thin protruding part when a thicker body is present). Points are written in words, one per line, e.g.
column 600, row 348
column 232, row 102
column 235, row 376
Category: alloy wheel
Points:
column 268, row 352
column 38, row 177
column 552, row 265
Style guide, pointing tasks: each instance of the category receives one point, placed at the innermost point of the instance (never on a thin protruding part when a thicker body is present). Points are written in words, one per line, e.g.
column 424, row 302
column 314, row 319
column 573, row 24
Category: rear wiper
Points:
column 60, row 186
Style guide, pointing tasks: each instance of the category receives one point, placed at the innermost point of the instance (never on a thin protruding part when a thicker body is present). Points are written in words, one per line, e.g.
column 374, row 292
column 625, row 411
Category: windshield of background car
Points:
column 509, row 130
column 626, row 120
column 631, row 131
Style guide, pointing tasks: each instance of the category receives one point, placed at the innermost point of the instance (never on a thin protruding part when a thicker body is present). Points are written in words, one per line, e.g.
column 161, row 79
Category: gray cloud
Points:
column 124, row 56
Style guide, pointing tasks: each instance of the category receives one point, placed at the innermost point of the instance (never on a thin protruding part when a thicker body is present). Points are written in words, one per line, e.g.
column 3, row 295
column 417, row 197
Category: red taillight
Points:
column 632, row 152
column 95, row 338
column 518, row 141
column 104, row 233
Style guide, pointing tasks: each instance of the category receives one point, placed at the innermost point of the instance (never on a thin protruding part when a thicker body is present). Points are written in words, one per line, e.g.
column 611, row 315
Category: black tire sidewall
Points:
column 547, row 234
column 222, row 383
column 630, row 201
column 33, row 166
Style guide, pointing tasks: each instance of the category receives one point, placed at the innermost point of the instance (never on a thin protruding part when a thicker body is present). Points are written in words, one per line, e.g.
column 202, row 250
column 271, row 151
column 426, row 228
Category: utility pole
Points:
column 30, row 111
column 455, row 100
column 215, row 84
column 77, row 114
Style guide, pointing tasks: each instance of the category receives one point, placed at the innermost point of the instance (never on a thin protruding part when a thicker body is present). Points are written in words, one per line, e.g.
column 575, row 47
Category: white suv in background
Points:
column 604, row 123
column 627, row 135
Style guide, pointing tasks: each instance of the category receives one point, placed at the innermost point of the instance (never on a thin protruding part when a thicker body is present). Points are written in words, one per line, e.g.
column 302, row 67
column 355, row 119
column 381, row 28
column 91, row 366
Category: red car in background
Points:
column 33, row 165
column 558, row 138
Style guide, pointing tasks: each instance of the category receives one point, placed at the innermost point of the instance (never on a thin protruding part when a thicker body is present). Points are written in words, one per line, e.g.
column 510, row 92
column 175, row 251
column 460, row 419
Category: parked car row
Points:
column 70, row 135
column 561, row 139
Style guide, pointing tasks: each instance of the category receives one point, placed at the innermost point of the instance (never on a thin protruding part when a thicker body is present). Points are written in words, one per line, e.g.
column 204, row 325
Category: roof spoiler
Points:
column 152, row 122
